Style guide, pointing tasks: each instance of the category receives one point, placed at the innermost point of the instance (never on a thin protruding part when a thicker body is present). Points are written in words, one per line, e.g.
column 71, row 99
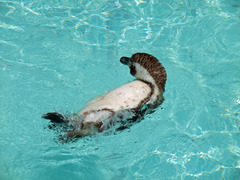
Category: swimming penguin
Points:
column 127, row 102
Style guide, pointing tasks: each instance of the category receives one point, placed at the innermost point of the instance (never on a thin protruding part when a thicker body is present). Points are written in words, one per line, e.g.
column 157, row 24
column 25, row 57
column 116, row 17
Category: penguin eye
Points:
column 130, row 62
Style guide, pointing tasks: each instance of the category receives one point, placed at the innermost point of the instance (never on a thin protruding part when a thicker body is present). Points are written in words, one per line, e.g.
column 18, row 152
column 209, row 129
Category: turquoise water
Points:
column 60, row 54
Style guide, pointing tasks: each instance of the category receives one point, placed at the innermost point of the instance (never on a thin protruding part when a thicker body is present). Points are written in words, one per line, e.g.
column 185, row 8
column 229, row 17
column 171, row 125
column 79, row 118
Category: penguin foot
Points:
column 54, row 117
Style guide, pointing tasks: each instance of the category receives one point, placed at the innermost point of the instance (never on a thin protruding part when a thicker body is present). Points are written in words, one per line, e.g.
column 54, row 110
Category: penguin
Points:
column 123, row 105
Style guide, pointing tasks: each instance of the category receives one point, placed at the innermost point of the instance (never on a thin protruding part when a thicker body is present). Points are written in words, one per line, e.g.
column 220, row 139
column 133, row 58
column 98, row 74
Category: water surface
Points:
column 59, row 55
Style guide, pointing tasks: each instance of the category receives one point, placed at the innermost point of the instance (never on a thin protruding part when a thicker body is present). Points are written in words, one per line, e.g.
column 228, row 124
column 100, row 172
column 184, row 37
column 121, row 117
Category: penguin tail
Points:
column 55, row 117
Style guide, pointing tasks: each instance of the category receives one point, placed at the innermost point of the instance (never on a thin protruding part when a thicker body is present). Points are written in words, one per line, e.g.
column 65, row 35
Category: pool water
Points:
column 57, row 55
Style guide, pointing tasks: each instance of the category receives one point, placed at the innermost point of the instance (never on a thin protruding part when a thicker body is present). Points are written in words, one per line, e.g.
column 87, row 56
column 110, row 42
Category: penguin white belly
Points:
column 128, row 96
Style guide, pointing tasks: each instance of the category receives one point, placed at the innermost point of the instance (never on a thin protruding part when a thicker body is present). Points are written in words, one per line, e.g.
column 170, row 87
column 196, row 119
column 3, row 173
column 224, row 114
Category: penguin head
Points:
column 130, row 63
column 147, row 68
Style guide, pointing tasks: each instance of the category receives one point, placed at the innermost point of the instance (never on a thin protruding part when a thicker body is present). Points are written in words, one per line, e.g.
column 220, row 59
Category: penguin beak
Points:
column 125, row 60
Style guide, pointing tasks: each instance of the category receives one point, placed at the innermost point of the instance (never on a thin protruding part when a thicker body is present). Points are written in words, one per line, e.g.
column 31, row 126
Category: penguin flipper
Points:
column 54, row 117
